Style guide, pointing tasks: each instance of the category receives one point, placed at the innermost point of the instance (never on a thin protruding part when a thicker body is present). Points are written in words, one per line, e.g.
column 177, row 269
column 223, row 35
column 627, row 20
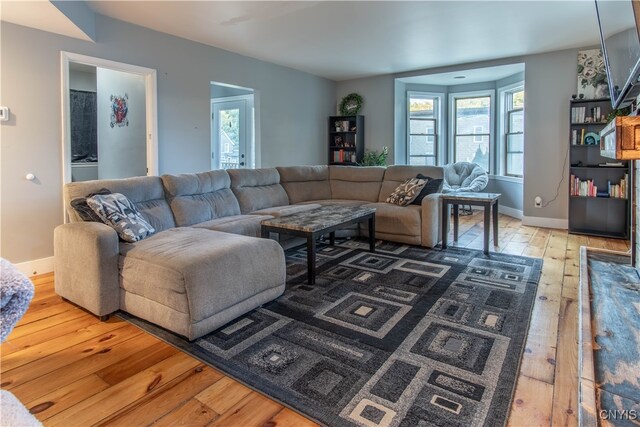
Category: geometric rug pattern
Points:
column 405, row 336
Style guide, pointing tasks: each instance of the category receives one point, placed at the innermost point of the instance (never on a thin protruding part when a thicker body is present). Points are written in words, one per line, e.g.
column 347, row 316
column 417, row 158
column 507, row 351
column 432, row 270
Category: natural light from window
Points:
column 472, row 130
column 423, row 136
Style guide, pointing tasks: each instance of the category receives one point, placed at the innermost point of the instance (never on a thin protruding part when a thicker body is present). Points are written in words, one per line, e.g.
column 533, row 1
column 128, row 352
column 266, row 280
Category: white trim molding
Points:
column 36, row 266
column 512, row 212
column 538, row 221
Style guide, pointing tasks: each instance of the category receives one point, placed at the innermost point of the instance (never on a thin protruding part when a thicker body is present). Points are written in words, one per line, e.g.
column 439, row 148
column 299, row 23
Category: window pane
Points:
column 473, row 115
column 422, row 160
column 421, row 145
column 515, row 142
column 422, row 126
column 516, row 121
column 517, row 99
column 515, row 164
column 421, row 107
column 469, row 150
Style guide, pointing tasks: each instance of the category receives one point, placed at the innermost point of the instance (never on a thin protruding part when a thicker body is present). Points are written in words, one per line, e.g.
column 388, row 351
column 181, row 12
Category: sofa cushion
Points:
column 116, row 211
column 145, row 192
column 247, row 225
column 257, row 189
column 394, row 219
column 396, row 175
column 83, row 210
column 406, row 192
column 341, row 202
column 200, row 272
column 279, row 211
column 356, row 183
column 304, row 183
column 200, row 197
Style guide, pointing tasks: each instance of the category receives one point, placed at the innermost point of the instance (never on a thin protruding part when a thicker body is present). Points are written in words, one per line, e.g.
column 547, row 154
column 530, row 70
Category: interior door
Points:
column 230, row 135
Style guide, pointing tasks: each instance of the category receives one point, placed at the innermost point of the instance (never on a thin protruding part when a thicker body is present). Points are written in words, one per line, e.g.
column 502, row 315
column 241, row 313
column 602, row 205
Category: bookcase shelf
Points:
column 588, row 214
column 346, row 140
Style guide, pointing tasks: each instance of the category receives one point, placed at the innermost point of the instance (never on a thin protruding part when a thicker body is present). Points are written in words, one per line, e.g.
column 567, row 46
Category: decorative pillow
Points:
column 406, row 192
column 119, row 213
column 82, row 208
column 432, row 186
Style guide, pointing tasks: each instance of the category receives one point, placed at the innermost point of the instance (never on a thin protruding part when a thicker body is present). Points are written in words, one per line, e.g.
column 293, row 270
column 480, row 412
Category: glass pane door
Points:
column 230, row 135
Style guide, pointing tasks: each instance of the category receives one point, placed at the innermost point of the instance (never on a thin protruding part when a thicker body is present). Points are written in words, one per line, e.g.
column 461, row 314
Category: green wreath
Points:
column 351, row 104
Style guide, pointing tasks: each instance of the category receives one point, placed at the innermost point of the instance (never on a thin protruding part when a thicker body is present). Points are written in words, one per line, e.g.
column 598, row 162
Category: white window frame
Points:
column 492, row 114
column 501, row 152
column 437, row 114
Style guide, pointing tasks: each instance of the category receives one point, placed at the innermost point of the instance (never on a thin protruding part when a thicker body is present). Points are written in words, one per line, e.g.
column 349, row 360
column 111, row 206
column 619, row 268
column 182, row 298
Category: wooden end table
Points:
column 487, row 200
column 314, row 223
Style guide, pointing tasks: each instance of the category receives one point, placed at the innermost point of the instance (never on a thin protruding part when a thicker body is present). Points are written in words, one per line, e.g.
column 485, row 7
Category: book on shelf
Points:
column 587, row 188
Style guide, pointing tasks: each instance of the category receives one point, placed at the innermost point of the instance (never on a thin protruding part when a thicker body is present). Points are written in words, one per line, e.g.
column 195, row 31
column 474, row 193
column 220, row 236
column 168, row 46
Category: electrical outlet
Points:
column 537, row 201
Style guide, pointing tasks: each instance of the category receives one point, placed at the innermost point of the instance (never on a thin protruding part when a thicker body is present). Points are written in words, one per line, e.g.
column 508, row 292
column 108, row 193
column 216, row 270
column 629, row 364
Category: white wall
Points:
column 294, row 107
column 550, row 80
column 122, row 150
column 81, row 80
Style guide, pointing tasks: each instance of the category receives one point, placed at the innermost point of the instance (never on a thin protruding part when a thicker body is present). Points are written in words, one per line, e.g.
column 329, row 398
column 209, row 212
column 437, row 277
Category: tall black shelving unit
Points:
column 346, row 140
column 595, row 215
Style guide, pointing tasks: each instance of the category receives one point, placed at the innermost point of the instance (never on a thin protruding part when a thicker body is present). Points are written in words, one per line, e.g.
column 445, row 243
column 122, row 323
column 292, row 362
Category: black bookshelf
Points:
column 346, row 140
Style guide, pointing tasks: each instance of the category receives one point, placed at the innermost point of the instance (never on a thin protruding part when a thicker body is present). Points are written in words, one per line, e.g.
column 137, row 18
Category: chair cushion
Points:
column 199, row 272
column 117, row 211
column 394, row 219
column 464, row 176
column 406, row 192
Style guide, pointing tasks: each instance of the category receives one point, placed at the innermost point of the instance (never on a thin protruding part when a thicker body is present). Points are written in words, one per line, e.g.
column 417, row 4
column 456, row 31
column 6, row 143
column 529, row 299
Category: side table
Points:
column 487, row 200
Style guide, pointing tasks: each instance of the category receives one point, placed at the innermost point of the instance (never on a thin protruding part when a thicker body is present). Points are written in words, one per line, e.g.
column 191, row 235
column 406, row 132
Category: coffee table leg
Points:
column 311, row 259
column 372, row 234
column 332, row 238
column 495, row 224
column 264, row 233
column 445, row 224
column 456, row 217
column 487, row 226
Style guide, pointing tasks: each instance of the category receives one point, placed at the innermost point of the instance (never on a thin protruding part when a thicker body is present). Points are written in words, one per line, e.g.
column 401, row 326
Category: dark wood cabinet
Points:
column 599, row 187
column 346, row 140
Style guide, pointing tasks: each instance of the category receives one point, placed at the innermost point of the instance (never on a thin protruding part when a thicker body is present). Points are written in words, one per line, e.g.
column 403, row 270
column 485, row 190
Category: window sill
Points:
column 507, row 178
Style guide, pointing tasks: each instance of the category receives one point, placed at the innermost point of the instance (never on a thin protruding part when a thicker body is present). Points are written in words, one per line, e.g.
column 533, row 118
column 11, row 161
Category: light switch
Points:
column 4, row 114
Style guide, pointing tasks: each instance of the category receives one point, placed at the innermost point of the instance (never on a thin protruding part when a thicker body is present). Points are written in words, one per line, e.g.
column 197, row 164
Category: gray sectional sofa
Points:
column 206, row 265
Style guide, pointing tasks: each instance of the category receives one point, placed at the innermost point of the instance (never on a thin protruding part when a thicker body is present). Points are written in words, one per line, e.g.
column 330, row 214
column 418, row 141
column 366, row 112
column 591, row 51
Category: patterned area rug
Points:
column 405, row 336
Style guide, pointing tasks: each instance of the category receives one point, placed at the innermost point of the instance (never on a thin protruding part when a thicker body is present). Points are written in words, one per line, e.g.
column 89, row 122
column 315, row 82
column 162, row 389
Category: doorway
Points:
column 109, row 119
column 232, row 128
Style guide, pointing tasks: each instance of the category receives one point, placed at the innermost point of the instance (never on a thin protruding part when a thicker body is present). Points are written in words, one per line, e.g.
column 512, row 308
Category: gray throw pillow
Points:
column 432, row 186
column 82, row 208
column 406, row 192
column 117, row 211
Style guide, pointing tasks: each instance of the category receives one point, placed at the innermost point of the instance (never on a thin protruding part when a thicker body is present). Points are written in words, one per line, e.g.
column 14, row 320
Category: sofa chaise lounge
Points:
column 206, row 265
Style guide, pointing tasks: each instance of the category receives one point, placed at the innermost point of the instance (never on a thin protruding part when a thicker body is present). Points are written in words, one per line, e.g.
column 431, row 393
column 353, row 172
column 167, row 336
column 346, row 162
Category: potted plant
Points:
column 375, row 158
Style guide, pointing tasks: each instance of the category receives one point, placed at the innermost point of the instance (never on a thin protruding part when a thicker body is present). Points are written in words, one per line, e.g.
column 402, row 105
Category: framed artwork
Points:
column 119, row 110
column 592, row 76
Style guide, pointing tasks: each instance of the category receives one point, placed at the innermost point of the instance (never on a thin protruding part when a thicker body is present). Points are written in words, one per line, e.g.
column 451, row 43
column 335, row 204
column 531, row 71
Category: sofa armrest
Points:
column 431, row 220
column 86, row 266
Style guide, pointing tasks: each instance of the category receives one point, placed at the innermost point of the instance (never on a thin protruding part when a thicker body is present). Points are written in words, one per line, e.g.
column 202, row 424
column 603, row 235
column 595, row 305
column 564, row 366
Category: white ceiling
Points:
column 41, row 15
column 476, row 75
column 350, row 39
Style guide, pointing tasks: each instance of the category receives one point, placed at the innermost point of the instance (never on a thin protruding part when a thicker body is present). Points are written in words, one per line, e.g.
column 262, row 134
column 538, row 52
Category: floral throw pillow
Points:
column 406, row 192
column 117, row 211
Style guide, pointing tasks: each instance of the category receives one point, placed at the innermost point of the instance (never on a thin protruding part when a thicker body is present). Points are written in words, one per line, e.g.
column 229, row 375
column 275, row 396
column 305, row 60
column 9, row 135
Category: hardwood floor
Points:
column 69, row 368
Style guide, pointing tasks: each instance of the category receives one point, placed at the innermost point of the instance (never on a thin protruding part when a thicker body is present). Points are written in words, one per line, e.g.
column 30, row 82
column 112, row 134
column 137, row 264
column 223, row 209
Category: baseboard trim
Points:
column 512, row 212
column 36, row 266
column 538, row 221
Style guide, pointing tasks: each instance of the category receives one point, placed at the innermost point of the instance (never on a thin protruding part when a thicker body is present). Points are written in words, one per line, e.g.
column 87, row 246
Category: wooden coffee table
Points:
column 314, row 223
column 487, row 200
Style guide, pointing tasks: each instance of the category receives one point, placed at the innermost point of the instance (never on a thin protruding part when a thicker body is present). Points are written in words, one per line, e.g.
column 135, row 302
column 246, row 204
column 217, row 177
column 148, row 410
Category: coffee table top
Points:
column 319, row 219
column 472, row 197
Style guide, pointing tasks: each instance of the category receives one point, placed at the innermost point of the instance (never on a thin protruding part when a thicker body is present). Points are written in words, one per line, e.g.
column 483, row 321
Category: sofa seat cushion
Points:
column 394, row 219
column 278, row 211
column 341, row 202
column 247, row 225
column 200, row 272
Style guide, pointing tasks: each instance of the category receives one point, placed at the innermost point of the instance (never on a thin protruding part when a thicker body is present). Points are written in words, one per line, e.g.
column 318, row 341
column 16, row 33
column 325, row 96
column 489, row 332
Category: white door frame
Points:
column 151, row 97
column 251, row 156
